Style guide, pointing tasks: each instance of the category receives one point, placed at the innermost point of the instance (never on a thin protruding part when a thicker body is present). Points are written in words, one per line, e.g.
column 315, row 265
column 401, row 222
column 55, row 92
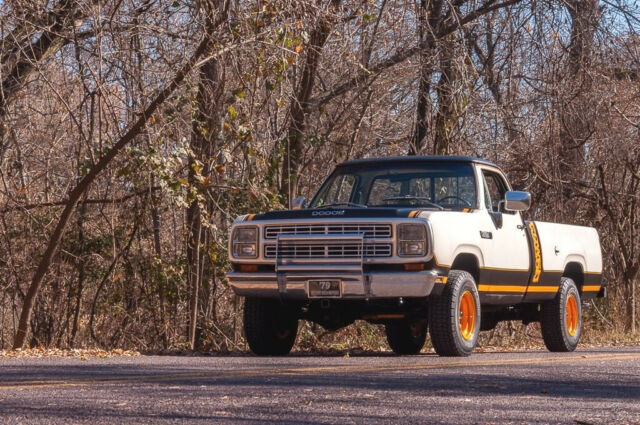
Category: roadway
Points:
column 590, row 386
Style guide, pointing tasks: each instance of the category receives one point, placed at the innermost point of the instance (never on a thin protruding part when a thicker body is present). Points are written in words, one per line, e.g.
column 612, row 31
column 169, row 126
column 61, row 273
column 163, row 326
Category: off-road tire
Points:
column 406, row 337
column 270, row 326
column 445, row 320
column 555, row 321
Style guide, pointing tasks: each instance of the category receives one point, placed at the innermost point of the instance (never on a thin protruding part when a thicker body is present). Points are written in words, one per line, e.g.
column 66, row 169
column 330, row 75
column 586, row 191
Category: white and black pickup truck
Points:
column 415, row 243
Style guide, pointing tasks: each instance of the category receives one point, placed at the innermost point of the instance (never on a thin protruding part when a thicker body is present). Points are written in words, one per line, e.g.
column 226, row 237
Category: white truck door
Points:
column 505, row 245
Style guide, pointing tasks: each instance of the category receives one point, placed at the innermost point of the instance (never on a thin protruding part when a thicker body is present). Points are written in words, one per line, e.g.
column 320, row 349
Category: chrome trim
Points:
column 353, row 285
column 515, row 200
column 369, row 230
column 328, row 251
column 393, row 221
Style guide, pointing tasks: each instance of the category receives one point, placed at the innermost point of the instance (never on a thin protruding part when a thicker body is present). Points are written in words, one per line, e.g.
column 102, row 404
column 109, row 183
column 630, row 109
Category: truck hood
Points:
column 324, row 213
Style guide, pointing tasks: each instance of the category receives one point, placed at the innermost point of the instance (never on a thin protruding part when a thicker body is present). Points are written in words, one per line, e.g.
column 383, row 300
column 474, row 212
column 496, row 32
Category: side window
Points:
column 494, row 190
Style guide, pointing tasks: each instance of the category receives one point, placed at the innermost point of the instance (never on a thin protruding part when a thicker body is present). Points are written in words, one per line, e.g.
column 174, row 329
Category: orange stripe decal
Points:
column 591, row 288
column 502, row 288
column 547, row 289
column 250, row 217
column 413, row 213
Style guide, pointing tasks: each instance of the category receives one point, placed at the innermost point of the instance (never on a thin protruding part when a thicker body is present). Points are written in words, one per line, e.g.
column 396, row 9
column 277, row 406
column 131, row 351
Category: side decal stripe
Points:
column 516, row 288
column 501, row 288
column 591, row 288
column 544, row 289
column 537, row 253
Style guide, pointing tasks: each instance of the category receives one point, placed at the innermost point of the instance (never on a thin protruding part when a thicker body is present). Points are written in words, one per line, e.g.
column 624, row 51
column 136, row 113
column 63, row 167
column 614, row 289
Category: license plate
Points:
column 324, row 288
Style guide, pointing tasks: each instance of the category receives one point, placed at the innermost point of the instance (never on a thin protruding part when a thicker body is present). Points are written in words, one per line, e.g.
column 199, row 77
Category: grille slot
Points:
column 370, row 231
column 326, row 251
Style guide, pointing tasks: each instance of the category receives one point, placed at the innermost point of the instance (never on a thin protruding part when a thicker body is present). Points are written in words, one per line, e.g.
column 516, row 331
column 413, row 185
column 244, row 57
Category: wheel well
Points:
column 574, row 271
column 468, row 263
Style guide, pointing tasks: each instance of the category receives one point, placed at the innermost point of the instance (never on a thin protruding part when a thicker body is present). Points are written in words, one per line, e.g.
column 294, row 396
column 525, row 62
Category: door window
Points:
column 339, row 191
column 494, row 190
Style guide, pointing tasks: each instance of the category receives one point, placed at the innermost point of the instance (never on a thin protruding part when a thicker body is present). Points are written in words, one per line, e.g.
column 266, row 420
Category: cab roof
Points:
column 415, row 159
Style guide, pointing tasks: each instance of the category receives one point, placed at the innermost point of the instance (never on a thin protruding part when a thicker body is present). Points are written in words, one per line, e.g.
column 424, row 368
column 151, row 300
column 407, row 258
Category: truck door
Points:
column 506, row 249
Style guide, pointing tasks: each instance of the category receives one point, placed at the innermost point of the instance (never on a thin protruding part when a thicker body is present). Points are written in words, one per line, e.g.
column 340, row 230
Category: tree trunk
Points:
column 83, row 185
column 204, row 131
column 299, row 108
column 429, row 16
column 447, row 114
column 577, row 110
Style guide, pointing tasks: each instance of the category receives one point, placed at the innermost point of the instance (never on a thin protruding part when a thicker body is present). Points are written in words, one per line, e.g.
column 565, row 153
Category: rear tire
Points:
column 405, row 337
column 270, row 326
column 561, row 318
column 454, row 316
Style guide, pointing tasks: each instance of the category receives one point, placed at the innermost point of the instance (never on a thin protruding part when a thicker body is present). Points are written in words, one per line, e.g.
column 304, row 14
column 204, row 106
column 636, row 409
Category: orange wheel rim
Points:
column 467, row 319
column 572, row 315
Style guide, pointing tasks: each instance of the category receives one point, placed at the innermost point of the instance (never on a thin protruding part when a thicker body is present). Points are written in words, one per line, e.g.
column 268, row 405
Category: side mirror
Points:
column 515, row 200
column 299, row 203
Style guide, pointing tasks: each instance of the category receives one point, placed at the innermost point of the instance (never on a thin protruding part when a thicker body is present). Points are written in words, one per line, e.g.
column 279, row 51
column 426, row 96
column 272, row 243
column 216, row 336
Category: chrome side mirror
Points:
column 515, row 200
column 299, row 203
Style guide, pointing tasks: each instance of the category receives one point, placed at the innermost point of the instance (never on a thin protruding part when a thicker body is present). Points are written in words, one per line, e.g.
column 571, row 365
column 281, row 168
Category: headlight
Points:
column 412, row 239
column 244, row 242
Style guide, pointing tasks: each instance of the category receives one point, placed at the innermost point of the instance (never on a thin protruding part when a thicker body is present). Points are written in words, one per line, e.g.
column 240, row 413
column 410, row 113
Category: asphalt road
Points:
column 590, row 386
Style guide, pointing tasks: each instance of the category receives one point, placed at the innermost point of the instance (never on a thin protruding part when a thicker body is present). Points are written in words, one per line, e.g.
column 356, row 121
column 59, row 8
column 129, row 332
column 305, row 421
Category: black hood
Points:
column 323, row 213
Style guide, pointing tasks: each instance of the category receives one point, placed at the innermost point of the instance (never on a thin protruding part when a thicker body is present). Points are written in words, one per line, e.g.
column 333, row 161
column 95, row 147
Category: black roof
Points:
column 413, row 159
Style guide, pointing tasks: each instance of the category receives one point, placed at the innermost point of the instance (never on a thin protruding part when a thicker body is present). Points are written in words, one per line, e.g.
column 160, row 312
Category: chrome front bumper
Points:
column 354, row 286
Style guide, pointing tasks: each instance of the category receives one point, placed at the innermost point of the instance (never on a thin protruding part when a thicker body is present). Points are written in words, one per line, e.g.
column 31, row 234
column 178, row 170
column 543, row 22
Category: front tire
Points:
column 270, row 326
column 405, row 337
column 561, row 318
column 454, row 316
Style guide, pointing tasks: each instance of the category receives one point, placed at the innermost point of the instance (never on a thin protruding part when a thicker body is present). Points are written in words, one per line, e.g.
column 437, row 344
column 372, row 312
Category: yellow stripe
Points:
column 562, row 271
column 250, row 217
column 517, row 288
column 537, row 253
column 552, row 289
column 502, row 288
column 591, row 288
column 413, row 213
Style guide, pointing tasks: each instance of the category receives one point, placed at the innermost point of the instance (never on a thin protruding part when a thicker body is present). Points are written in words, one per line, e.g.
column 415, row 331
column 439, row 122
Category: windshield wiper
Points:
column 415, row 198
column 344, row 204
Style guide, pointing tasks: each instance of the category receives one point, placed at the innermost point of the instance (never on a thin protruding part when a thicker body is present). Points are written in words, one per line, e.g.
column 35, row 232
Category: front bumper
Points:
column 370, row 285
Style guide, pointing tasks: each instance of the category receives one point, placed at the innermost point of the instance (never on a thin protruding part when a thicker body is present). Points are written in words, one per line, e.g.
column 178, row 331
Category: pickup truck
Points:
column 421, row 244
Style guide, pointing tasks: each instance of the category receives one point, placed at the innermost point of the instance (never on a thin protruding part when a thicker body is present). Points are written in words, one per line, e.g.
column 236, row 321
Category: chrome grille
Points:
column 326, row 250
column 371, row 231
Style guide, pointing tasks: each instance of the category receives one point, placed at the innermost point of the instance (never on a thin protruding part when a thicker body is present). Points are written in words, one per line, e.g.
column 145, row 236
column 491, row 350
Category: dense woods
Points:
column 132, row 133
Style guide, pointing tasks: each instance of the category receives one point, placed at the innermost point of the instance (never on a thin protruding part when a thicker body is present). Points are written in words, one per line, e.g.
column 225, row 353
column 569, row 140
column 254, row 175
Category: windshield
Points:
column 429, row 185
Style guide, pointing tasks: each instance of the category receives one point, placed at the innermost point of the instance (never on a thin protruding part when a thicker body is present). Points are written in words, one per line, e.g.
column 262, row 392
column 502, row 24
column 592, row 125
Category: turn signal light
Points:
column 248, row 268
column 414, row 267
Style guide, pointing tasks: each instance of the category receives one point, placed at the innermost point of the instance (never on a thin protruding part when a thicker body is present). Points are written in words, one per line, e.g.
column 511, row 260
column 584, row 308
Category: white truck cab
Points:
column 415, row 243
